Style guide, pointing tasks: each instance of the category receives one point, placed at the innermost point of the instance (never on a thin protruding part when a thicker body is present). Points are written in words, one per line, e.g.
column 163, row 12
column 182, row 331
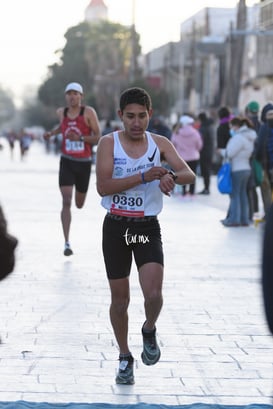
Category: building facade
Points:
column 197, row 71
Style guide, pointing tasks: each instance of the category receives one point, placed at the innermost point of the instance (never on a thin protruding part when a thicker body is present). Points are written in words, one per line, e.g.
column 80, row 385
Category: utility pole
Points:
column 234, row 61
column 133, row 67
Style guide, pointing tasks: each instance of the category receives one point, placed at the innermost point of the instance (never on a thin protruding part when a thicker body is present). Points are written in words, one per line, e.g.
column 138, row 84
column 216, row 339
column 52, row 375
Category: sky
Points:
column 31, row 31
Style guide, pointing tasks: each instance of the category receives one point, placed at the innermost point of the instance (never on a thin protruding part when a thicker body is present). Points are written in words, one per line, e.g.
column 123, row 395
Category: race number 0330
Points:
column 130, row 201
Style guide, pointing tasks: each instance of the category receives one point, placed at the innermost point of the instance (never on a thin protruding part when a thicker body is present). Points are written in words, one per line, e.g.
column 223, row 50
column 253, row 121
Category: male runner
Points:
column 80, row 130
column 132, row 181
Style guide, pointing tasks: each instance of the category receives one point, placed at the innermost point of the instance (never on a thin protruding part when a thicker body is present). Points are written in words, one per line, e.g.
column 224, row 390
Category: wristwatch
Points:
column 82, row 138
column 173, row 175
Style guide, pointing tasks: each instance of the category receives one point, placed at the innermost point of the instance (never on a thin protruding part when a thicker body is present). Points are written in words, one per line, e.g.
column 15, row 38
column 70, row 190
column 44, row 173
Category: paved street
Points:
column 57, row 341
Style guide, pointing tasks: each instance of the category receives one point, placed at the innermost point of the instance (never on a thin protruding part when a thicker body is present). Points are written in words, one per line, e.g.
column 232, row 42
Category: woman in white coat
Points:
column 239, row 150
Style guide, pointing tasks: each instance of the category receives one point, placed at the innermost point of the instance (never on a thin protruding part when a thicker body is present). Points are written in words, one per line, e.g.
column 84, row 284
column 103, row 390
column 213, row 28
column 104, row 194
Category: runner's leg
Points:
column 151, row 278
column 120, row 297
column 66, row 192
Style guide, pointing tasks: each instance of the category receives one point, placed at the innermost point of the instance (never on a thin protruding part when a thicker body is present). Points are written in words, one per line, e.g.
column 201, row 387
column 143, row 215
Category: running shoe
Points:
column 125, row 374
column 151, row 352
column 67, row 250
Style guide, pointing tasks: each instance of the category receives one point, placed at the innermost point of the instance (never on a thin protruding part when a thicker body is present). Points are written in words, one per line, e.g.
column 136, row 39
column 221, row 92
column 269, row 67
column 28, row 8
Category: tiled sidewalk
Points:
column 57, row 341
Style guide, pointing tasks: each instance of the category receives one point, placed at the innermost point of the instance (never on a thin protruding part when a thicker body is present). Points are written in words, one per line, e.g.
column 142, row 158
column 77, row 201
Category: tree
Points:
column 235, row 60
column 98, row 56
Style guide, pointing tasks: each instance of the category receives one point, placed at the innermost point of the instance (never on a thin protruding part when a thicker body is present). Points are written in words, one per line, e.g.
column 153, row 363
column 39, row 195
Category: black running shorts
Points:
column 76, row 173
column 124, row 237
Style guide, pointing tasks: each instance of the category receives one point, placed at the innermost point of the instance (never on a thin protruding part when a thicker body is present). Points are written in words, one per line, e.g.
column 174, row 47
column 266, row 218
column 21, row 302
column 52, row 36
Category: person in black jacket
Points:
column 223, row 133
column 262, row 154
column 267, row 269
column 252, row 112
column 206, row 154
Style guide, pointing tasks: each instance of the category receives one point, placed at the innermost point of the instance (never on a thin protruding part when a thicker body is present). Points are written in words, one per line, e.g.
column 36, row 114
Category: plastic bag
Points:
column 224, row 181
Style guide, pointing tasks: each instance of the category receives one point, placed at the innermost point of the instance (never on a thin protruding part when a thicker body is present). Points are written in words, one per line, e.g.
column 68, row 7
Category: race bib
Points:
column 129, row 204
column 74, row 146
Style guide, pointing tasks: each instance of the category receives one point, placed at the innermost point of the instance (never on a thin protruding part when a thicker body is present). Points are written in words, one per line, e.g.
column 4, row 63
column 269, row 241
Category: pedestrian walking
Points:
column 25, row 141
column 188, row 142
column 206, row 154
column 80, row 130
column 132, row 181
column 11, row 138
column 239, row 150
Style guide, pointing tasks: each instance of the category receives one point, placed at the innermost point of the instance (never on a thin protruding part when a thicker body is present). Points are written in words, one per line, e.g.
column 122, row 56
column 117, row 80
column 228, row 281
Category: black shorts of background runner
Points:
column 124, row 237
column 76, row 173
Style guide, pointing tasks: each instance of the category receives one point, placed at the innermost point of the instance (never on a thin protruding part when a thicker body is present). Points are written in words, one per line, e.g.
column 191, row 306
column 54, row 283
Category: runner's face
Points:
column 73, row 98
column 135, row 119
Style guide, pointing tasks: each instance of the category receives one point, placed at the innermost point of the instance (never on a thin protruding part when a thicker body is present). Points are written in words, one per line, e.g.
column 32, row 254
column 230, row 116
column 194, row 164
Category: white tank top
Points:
column 141, row 200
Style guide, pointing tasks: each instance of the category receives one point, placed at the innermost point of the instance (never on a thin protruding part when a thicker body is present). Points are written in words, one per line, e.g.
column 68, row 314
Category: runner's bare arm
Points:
column 92, row 121
column 57, row 130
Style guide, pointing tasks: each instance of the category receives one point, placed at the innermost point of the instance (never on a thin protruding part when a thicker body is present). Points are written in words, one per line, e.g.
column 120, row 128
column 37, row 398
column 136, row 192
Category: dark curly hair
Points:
column 224, row 112
column 135, row 96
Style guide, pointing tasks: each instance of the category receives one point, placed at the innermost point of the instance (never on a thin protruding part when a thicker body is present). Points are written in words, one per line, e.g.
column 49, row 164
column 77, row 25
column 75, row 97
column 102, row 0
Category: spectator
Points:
column 263, row 153
column 252, row 113
column 188, row 142
column 206, row 154
column 157, row 125
column 107, row 127
column 222, row 132
column 239, row 150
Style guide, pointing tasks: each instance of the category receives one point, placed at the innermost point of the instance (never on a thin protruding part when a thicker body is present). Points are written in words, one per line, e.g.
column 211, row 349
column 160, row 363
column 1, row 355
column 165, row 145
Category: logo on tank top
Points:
column 151, row 158
column 120, row 161
column 118, row 171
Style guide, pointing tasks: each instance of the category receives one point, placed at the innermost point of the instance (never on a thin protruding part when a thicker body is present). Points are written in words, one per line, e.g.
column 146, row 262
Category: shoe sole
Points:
column 148, row 361
column 68, row 252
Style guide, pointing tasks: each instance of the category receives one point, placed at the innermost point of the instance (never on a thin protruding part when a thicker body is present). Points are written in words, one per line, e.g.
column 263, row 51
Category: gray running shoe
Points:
column 151, row 352
column 67, row 250
column 125, row 374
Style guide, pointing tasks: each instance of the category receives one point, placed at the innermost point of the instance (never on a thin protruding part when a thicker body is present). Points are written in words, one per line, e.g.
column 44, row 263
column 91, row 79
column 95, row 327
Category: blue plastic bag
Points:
column 224, row 182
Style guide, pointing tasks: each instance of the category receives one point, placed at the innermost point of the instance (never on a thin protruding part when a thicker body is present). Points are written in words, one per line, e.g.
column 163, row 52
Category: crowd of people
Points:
column 23, row 138
column 246, row 141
